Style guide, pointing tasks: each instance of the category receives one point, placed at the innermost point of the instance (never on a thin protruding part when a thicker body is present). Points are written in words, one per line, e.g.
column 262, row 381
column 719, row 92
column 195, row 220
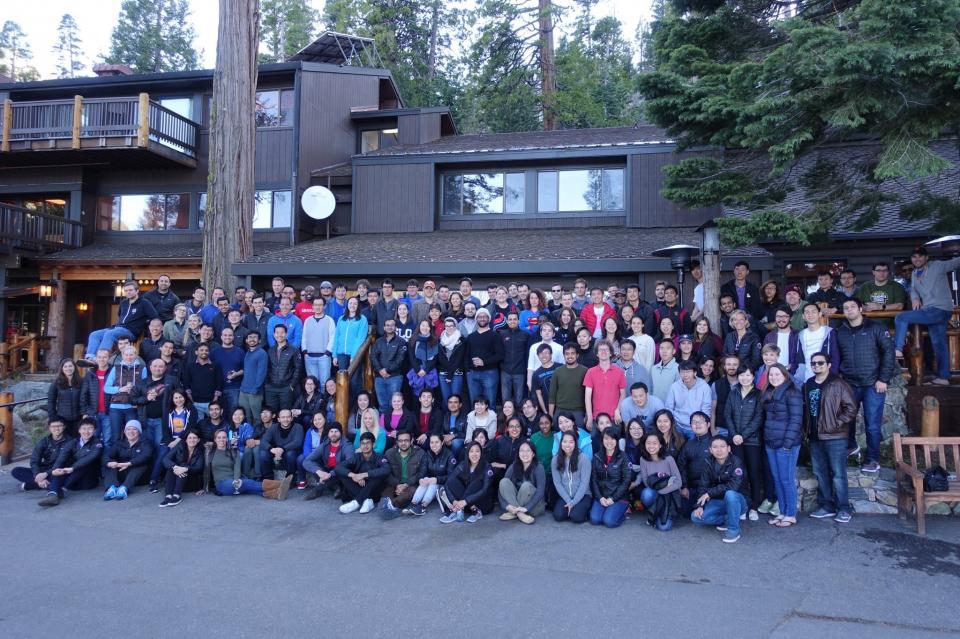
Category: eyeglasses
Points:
column 818, row 363
column 556, row 290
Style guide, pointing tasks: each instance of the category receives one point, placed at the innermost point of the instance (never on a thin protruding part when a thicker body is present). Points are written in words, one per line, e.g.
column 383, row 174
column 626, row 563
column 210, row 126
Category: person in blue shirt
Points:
column 254, row 375
column 208, row 312
column 286, row 317
column 229, row 358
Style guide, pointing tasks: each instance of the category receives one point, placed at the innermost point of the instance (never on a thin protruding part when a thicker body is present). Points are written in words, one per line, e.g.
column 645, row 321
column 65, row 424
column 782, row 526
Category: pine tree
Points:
column 16, row 50
column 69, row 54
column 286, row 27
column 153, row 36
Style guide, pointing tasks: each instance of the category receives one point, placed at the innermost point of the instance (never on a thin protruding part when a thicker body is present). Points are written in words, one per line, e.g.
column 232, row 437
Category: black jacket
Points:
column 783, row 416
column 48, row 453
column 503, row 450
column 434, row 423
column 439, row 466
column 747, row 348
column 150, row 349
column 716, row 478
column 391, row 355
column 310, row 407
column 866, row 353
column 292, row 442
column 135, row 316
column 744, row 415
column 488, row 347
column 460, row 426
column 407, row 423
column 416, row 466
column 138, row 396
column 254, row 325
column 754, row 303
column 76, row 456
column 138, row 454
column 284, row 367
column 65, row 402
column 163, row 303
column 516, row 348
column 453, row 363
column 478, row 480
column 610, row 480
column 90, row 393
column 376, row 467
column 692, row 458
column 385, row 309
column 178, row 457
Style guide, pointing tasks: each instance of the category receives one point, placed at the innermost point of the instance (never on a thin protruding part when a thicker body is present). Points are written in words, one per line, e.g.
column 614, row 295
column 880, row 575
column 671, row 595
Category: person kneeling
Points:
column 407, row 468
column 184, row 464
column 721, row 503
column 661, row 482
column 224, row 469
column 127, row 463
column 468, row 488
column 523, row 488
column 362, row 476
column 609, row 482
column 322, row 461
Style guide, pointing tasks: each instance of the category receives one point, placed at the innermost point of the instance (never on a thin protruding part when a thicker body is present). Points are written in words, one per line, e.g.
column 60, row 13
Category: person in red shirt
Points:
column 94, row 403
column 304, row 307
column 429, row 419
column 605, row 384
column 596, row 313
column 323, row 460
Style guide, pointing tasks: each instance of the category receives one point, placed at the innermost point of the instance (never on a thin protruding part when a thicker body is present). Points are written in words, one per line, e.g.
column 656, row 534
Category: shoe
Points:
column 387, row 514
column 166, row 501
column 122, row 492
column 444, row 501
column 842, row 517
column 939, row 381
column 474, row 517
column 418, row 509
column 853, row 451
column 722, row 528
column 314, row 494
column 743, row 517
column 175, row 500
column 774, row 510
column 349, row 507
column 407, row 511
column 387, row 503
column 367, row 506
column 449, row 518
column 525, row 518
column 154, row 488
column 301, row 485
column 822, row 513
column 508, row 516
column 284, row 487
column 52, row 499
column 765, row 507
column 460, row 516
column 870, row 467
column 23, row 487
column 336, row 493
column 110, row 494
column 731, row 539
column 753, row 516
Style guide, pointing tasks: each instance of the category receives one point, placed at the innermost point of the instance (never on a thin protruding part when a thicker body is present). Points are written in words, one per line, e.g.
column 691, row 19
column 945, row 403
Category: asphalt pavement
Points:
column 249, row 567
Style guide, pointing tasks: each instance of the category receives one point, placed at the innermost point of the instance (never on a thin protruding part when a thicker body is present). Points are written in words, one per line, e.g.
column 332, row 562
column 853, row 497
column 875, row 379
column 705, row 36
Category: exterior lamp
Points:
column 681, row 256
column 82, row 307
column 47, row 289
column 118, row 290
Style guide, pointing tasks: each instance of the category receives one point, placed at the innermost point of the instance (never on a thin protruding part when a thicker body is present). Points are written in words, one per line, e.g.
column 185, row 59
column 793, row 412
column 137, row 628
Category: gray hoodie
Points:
column 571, row 488
column 933, row 288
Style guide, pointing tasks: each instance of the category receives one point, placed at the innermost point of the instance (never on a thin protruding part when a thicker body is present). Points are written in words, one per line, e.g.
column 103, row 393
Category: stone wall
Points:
column 29, row 420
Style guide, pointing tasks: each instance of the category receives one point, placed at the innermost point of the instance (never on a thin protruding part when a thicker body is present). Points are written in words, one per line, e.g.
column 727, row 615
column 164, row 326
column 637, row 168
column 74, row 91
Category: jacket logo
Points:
column 738, row 471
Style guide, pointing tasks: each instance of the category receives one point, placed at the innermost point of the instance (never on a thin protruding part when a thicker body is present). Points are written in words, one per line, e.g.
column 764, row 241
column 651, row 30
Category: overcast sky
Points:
column 39, row 19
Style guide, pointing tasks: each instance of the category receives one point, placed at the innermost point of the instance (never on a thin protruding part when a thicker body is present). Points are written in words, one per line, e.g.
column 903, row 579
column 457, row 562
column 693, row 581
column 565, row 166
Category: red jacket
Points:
column 590, row 318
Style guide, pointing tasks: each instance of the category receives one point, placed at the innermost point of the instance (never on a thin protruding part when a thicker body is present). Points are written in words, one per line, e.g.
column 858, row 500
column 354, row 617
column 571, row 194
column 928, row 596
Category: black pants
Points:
column 133, row 476
column 578, row 514
column 174, row 485
column 753, row 459
column 277, row 397
column 288, row 462
column 83, row 478
column 25, row 475
column 456, row 490
column 371, row 489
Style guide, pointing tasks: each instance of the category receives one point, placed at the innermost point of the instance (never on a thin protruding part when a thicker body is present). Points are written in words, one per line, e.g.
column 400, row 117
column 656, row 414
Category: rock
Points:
column 809, row 483
column 866, row 481
column 941, row 508
column 883, row 484
column 808, row 502
column 873, row 508
column 804, row 473
column 888, row 497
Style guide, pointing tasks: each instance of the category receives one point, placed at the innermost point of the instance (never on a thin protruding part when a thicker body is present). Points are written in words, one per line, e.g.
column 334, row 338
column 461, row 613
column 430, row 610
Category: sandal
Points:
column 785, row 523
column 776, row 520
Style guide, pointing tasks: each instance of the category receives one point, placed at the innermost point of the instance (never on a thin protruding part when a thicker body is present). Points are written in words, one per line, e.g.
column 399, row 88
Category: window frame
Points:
column 279, row 91
column 186, row 196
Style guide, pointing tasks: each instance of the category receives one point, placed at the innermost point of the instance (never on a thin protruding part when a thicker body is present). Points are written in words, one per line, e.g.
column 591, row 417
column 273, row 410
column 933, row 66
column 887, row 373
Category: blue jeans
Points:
column 872, row 402
column 203, row 409
column 726, row 511
column 105, row 338
column 648, row 496
column 385, row 388
column 104, row 430
column 829, row 458
column 610, row 516
column 118, row 422
column 247, row 486
column 513, row 387
column 686, row 431
column 288, row 461
column 452, row 386
column 229, row 399
column 319, row 367
column 483, row 383
column 935, row 320
column 783, row 467
column 157, row 471
column 153, row 431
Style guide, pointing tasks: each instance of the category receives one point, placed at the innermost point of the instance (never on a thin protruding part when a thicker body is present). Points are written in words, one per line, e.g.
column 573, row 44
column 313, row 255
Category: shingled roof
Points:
column 167, row 251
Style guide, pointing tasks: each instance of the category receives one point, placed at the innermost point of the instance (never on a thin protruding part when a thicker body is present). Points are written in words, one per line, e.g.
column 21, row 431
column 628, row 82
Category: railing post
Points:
column 6, row 429
column 7, row 124
column 77, row 120
column 342, row 402
column 4, row 358
column 33, row 352
column 916, row 355
column 930, row 422
column 143, row 128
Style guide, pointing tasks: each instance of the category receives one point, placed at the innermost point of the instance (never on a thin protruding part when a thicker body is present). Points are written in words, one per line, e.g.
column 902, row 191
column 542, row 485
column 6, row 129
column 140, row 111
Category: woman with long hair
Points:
column 423, row 351
column 435, row 316
column 612, row 333
column 455, row 306
column 348, row 337
column 450, row 360
column 180, row 419
column 191, row 336
column 466, row 496
column 309, row 401
column 439, row 463
column 707, row 369
column 609, row 481
column 312, row 438
column 770, row 300
column 224, row 477
column 665, row 424
column 564, row 329
column 363, row 401
column 405, row 324
column 743, row 415
column 571, row 480
column 397, row 419
column 706, row 343
column 667, row 329
column 646, row 350
column 783, row 419
column 661, row 482
column 508, row 410
column 63, row 397
column 370, row 423
column 523, row 489
column 184, row 466
column 534, row 309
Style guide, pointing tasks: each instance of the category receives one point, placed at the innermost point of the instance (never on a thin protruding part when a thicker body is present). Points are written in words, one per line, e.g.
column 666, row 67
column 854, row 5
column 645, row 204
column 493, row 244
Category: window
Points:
column 271, row 209
column 577, row 190
column 376, row 139
column 154, row 212
column 180, row 106
column 48, row 205
column 483, row 193
column 274, row 108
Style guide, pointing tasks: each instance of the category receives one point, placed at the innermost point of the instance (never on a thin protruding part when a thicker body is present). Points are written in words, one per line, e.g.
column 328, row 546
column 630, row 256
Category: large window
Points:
column 274, row 107
column 378, row 139
column 272, row 209
column 152, row 212
column 483, row 193
column 569, row 191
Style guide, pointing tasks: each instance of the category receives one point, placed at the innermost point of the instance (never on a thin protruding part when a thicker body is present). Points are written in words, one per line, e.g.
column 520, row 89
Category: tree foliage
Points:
column 15, row 51
column 775, row 87
column 153, row 36
column 68, row 49
column 286, row 26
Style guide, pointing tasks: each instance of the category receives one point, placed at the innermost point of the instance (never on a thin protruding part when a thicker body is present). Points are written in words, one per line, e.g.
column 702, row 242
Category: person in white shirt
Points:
column 645, row 352
column 317, row 342
column 546, row 337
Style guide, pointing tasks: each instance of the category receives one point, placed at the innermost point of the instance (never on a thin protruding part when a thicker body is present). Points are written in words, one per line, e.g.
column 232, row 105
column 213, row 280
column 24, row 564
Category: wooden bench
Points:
column 928, row 451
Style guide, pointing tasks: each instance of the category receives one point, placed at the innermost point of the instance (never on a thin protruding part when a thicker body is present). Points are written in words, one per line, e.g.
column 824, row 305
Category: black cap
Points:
column 687, row 365
column 918, row 250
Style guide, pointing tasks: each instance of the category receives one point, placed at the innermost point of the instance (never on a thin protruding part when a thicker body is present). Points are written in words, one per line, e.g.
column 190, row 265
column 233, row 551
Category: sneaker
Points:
column 407, row 511
column 508, row 516
column 460, row 516
column 722, row 528
column 774, row 510
column 418, row 509
column 743, row 517
column 52, row 499
column 122, row 492
column 822, row 513
column 175, row 501
column 301, row 485
column 870, row 467
column 765, row 507
column 753, row 515
column 842, row 517
column 166, row 501
column 449, row 518
column 314, row 494
column 525, row 518
column 154, row 488
column 350, row 507
column 387, row 514
column 474, row 517
column 23, row 487
column 367, row 506
column 731, row 538
column 853, row 451
column 110, row 494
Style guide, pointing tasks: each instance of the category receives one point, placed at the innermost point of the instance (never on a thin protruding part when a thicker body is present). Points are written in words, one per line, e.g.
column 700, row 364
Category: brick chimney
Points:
column 108, row 70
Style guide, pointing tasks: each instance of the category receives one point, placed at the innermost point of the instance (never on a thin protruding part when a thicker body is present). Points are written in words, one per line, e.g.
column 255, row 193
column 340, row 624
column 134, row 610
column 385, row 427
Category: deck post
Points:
column 77, row 120
column 7, row 124
column 143, row 128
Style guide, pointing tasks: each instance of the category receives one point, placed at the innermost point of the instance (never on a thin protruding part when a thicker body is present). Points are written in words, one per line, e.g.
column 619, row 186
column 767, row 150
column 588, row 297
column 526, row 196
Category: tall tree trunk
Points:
column 548, row 81
column 710, row 267
column 434, row 30
column 228, row 220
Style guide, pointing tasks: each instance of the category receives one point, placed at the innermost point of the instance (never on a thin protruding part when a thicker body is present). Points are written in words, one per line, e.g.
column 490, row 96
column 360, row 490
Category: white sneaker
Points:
column 367, row 506
column 350, row 507
column 753, row 515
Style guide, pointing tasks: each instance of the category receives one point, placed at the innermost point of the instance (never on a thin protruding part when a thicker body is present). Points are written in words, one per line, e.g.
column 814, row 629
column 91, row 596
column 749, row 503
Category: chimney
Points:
column 109, row 70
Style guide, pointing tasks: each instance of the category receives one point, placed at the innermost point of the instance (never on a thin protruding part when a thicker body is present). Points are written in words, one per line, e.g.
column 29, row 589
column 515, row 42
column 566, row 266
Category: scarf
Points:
column 449, row 341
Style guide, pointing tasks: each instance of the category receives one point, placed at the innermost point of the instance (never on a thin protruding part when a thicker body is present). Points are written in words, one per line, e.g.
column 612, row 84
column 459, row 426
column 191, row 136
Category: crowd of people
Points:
column 588, row 403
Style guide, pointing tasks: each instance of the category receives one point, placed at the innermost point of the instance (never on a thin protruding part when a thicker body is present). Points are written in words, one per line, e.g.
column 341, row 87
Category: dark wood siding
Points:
column 408, row 129
column 648, row 208
column 393, row 197
column 274, row 156
column 525, row 222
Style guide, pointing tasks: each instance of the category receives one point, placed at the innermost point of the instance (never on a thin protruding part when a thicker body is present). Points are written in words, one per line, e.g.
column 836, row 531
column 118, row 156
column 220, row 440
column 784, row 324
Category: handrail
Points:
column 362, row 353
column 10, row 351
column 23, row 228
column 23, row 401
column 343, row 377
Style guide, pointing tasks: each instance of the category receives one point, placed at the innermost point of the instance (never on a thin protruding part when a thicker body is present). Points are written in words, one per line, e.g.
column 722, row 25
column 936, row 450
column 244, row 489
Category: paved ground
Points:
column 249, row 567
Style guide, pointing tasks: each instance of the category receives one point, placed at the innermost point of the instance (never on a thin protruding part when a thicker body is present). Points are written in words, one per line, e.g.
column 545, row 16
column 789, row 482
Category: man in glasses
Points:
column 882, row 294
column 829, row 411
column 556, row 295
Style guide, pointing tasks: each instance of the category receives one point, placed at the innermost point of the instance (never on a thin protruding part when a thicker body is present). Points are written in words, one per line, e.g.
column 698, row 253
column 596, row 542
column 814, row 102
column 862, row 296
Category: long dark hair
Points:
column 481, row 465
column 676, row 439
column 62, row 381
column 574, row 456
column 431, row 338
column 187, row 403
column 519, row 472
column 643, row 445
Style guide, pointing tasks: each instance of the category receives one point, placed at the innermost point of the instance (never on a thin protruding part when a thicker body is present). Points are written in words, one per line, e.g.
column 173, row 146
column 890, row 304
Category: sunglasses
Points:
column 818, row 363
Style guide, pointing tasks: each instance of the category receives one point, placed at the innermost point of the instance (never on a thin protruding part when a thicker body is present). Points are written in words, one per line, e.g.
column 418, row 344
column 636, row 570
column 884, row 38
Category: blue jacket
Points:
column 783, row 410
column 254, row 371
column 584, row 443
column 350, row 335
column 239, row 437
column 294, row 329
column 311, row 439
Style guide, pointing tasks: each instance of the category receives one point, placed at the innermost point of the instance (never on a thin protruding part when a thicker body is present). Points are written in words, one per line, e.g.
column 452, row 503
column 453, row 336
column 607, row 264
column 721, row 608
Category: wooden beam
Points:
column 143, row 130
column 77, row 121
column 56, row 322
column 7, row 124
column 111, row 273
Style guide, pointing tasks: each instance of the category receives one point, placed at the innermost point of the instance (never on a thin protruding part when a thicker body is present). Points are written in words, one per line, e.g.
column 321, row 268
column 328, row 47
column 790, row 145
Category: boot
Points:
column 271, row 489
column 284, row 487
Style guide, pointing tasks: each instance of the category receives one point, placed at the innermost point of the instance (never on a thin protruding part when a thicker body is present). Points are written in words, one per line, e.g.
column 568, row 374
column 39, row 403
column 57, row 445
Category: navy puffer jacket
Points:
column 783, row 409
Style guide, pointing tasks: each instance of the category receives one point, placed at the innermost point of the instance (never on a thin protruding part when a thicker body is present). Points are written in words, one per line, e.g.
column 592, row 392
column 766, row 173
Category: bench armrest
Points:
column 909, row 470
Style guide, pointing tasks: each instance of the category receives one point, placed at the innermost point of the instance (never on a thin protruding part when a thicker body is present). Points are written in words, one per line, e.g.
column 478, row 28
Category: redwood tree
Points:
column 228, row 219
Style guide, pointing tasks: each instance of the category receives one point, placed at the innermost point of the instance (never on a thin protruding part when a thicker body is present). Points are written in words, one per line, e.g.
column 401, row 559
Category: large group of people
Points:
column 586, row 403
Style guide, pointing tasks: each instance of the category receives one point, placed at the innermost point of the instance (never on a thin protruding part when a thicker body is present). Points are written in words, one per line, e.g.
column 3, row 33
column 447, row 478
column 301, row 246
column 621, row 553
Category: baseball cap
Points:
column 794, row 289
column 326, row 284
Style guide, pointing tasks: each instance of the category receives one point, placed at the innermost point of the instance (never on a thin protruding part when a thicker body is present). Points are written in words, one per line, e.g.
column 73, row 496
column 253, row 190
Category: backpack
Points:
column 935, row 480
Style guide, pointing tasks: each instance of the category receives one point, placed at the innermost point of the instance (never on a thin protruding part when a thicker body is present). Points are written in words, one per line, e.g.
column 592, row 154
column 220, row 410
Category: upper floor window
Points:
column 152, row 212
column 483, row 193
column 378, row 139
column 272, row 209
column 274, row 107
column 575, row 190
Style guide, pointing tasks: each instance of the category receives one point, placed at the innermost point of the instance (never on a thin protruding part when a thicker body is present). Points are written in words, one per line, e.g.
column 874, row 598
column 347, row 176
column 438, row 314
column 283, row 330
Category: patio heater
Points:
column 681, row 256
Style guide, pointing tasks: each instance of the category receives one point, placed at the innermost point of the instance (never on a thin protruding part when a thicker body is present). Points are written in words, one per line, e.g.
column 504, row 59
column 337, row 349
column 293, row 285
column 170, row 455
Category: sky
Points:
column 39, row 20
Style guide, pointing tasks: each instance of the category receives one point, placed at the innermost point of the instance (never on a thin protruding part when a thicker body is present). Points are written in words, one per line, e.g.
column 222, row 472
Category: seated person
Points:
column 132, row 317
column 567, row 422
column 693, row 458
column 127, row 463
column 523, row 489
column 309, row 402
column 438, row 464
column 78, row 467
column 468, row 488
column 720, row 501
column 362, row 476
column 571, row 479
column 407, row 466
column 481, row 417
column 184, row 466
column 281, row 445
column 223, row 473
column 250, row 462
column 370, row 423
column 609, row 481
column 312, row 438
column 45, row 457
column 454, row 428
column 322, row 461
column 661, row 482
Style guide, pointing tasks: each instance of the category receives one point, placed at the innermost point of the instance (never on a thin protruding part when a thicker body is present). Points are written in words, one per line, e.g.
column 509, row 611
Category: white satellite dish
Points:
column 318, row 202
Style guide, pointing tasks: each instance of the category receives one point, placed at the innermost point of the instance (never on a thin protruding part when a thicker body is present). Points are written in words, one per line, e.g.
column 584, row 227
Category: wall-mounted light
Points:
column 82, row 307
column 118, row 290
column 47, row 289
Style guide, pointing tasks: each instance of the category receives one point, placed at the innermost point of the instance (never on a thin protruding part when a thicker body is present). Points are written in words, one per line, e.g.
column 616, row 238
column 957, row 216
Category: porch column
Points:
column 56, row 321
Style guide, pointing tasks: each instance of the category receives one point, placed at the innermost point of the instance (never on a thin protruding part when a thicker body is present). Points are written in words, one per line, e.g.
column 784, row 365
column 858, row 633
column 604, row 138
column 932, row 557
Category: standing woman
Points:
column 611, row 333
column 706, row 343
column 405, row 323
column 350, row 334
column 742, row 341
column 467, row 490
column 440, row 462
column 63, row 397
column 435, row 315
column 455, row 309
column 743, row 415
column 508, row 410
column 564, row 330
column 646, row 351
column 423, row 350
column 184, row 466
column 783, row 417
column 370, row 423
column 770, row 301
column 450, row 360
column 666, row 330
column 223, row 474
column 523, row 489
column 571, row 480
column 609, row 482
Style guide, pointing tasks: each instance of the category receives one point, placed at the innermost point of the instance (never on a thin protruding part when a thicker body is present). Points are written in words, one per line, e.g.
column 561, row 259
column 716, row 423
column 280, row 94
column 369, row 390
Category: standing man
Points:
column 421, row 308
column 596, row 313
column 389, row 359
column 150, row 346
column 337, row 305
column 285, row 318
column 533, row 358
column 632, row 369
column 317, row 342
column 257, row 319
column 641, row 308
column 580, row 298
column 866, row 363
column 254, row 376
column 304, row 308
column 284, row 368
column 566, row 387
column 513, row 368
column 466, row 290
column 605, row 386
column 229, row 359
column 197, row 301
column 671, row 308
column 386, row 308
column 746, row 294
column 483, row 354
column 830, row 413
column 665, row 372
column 272, row 301
column 848, row 283
column 412, row 296
column 640, row 405
column 827, row 298
column 203, row 380
column 132, row 319
column 785, row 338
column 162, row 298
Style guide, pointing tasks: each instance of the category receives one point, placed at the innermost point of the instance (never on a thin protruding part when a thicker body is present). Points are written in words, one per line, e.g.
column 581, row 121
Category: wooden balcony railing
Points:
column 135, row 117
column 25, row 229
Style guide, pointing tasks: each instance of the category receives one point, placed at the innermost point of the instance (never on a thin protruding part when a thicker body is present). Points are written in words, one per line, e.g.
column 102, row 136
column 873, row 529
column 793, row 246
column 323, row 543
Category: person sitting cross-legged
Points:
column 127, row 463
column 322, row 460
column 523, row 489
column 362, row 476
column 407, row 468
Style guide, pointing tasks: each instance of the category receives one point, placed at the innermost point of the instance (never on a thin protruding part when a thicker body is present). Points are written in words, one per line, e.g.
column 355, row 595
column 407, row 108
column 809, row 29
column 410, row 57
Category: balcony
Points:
column 134, row 130
column 28, row 231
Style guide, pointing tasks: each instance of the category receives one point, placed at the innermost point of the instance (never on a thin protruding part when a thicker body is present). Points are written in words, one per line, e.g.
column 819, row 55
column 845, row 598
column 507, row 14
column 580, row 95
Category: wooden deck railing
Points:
column 21, row 354
column 22, row 228
column 342, row 405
